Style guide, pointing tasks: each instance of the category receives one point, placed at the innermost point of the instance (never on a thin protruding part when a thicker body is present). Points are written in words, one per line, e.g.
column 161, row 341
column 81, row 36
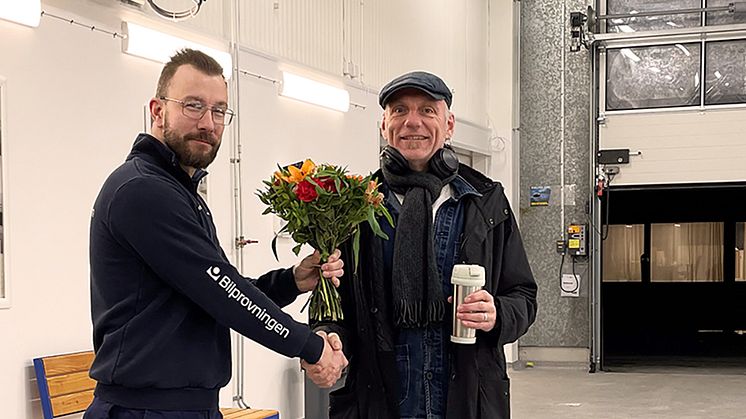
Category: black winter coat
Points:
column 479, row 386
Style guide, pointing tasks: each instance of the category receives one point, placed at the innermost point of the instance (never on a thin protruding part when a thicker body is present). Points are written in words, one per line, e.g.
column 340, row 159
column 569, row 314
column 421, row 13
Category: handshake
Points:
column 328, row 369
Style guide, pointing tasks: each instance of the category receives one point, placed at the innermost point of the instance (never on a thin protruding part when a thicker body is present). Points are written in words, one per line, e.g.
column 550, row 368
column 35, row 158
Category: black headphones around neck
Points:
column 443, row 163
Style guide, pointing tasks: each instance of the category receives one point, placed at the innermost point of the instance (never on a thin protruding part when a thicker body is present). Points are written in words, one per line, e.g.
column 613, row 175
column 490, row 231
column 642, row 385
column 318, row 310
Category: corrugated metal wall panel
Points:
column 373, row 70
column 380, row 39
column 475, row 77
column 259, row 23
column 307, row 32
column 400, row 36
column 354, row 11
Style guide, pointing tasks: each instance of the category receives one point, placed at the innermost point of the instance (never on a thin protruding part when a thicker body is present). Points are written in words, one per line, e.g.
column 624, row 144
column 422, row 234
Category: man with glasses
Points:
column 163, row 293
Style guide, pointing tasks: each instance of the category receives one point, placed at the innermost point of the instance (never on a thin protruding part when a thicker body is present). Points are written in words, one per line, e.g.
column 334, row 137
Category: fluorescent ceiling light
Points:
column 310, row 91
column 158, row 46
column 25, row 12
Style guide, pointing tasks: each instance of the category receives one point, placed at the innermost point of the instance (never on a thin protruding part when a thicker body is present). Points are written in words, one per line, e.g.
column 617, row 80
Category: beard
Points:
column 189, row 156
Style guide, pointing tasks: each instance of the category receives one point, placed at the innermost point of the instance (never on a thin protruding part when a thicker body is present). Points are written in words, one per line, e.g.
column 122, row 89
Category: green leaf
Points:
column 374, row 224
column 274, row 247
column 388, row 216
column 377, row 228
column 306, row 304
column 356, row 248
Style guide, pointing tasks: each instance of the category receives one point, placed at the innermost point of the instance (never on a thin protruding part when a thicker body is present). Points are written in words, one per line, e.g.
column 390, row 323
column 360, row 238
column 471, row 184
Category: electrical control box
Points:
column 577, row 240
column 615, row 156
column 561, row 246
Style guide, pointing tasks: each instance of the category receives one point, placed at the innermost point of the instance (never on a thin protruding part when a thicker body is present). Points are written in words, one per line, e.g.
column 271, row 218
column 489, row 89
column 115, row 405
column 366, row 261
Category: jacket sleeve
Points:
column 515, row 298
column 158, row 223
column 281, row 289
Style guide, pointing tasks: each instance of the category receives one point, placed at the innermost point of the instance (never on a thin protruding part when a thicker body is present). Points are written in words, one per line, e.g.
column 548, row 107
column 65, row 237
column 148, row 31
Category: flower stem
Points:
column 325, row 301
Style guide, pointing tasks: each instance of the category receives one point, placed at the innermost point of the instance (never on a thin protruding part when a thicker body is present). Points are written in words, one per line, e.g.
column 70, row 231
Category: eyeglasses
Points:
column 195, row 109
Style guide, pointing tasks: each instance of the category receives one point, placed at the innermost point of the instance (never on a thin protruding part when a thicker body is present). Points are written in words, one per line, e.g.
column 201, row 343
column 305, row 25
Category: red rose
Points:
column 327, row 184
column 305, row 191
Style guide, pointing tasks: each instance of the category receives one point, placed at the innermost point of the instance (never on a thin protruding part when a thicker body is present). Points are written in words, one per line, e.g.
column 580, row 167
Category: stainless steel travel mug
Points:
column 466, row 279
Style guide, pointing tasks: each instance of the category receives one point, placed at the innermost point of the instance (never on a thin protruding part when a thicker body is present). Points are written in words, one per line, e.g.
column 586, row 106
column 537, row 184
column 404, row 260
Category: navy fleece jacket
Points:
column 164, row 295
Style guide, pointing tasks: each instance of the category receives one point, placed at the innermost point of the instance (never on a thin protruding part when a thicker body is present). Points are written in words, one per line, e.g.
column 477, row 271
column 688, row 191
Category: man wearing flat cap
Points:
column 398, row 305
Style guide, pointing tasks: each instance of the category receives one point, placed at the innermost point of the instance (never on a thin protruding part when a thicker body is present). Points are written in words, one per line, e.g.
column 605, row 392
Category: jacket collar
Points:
column 481, row 183
column 468, row 182
column 491, row 211
column 150, row 148
column 461, row 188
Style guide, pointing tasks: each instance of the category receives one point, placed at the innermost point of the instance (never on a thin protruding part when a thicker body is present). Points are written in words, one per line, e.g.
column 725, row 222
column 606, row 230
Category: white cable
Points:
column 92, row 28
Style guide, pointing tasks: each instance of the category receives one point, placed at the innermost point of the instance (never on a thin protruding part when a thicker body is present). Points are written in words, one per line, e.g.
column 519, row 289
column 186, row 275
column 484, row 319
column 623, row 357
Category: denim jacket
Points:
column 422, row 353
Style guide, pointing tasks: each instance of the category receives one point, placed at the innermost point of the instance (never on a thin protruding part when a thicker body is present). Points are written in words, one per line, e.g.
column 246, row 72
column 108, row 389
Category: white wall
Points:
column 503, row 94
column 503, row 109
column 277, row 130
column 445, row 37
column 74, row 104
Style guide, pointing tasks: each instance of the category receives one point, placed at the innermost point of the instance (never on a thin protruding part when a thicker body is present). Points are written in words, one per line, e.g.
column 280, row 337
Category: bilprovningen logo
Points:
column 233, row 293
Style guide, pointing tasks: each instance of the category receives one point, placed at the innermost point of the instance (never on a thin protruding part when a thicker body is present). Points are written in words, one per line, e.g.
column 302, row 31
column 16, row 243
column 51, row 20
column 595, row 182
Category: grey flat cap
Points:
column 429, row 83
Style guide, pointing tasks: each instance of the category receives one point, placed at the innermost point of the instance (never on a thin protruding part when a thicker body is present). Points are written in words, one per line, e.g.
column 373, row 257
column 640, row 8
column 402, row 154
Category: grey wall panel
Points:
column 561, row 321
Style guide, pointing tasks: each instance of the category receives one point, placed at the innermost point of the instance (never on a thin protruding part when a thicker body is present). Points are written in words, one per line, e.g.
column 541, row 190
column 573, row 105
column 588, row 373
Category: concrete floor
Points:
column 572, row 393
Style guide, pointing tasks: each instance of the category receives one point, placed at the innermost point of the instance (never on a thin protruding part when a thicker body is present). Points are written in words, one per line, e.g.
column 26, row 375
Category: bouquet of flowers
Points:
column 323, row 206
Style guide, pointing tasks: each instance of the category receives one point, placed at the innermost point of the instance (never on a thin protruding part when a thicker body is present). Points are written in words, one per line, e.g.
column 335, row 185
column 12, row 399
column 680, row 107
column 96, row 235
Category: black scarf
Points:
column 416, row 282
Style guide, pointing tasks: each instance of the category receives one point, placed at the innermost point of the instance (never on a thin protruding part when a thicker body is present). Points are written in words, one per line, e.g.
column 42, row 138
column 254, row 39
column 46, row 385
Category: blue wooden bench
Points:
column 65, row 388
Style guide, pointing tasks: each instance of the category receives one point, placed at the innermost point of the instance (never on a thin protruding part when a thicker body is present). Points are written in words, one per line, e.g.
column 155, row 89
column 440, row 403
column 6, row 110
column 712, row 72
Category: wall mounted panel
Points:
column 679, row 147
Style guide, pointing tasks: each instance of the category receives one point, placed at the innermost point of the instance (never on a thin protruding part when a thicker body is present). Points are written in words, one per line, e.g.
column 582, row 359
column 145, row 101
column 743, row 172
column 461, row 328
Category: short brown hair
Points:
column 186, row 56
